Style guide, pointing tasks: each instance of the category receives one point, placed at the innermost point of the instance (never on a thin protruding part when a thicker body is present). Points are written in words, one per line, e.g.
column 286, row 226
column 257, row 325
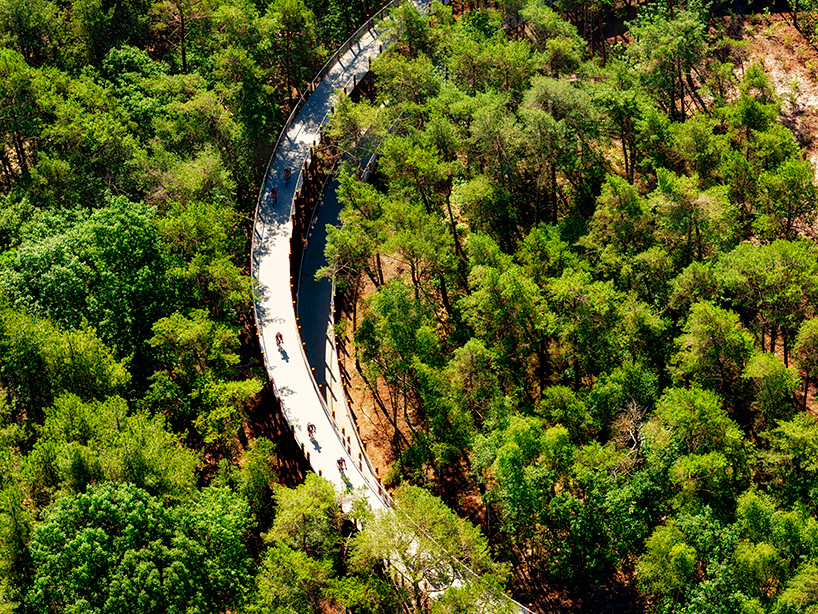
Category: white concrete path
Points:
column 301, row 400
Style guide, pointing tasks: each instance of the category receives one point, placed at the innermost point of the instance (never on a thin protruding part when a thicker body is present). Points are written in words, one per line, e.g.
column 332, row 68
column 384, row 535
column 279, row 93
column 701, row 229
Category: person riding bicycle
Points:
column 342, row 464
column 310, row 428
column 287, row 173
column 279, row 339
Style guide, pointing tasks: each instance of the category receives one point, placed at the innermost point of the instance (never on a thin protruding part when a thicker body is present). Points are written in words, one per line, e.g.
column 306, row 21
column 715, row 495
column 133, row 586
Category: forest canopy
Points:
column 580, row 297
column 584, row 290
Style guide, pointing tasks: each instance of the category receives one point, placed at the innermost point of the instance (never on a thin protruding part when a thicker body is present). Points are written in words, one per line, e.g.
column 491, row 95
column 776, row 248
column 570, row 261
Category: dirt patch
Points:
column 792, row 65
column 376, row 431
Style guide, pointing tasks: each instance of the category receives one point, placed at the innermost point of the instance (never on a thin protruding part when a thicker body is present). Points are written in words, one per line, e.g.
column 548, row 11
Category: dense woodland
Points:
column 604, row 317
column 581, row 290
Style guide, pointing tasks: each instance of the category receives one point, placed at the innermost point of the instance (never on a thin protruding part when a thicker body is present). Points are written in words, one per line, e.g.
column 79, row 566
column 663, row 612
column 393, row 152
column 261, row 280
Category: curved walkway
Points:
column 295, row 386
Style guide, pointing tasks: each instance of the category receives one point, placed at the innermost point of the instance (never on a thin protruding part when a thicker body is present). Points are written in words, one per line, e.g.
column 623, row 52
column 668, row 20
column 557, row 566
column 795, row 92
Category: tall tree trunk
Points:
column 379, row 268
column 695, row 94
column 681, row 92
column 786, row 349
column 444, row 294
column 20, row 150
column 7, row 168
column 453, row 227
column 806, row 391
column 355, row 294
column 391, row 417
column 628, row 173
column 183, row 35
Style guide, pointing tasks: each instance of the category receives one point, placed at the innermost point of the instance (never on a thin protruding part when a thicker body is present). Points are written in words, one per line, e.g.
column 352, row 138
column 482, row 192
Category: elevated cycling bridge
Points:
column 271, row 261
column 272, row 268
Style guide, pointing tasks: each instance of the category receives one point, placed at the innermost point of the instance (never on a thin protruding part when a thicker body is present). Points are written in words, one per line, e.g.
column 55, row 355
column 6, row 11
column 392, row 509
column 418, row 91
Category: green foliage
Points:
column 629, row 385
column 560, row 405
column 669, row 562
column 713, row 349
column 411, row 81
column 107, row 269
column 292, row 581
column 410, row 29
column 776, row 282
column 506, row 308
column 204, row 237
column 666, row 49
column 550, row 214
column 357, row 128
column 789, row 461
column 622, row 223
column 257, row 477
column 307, row 517
column 697, row 282
column 115, row 548
column 790, row 199
column 422, row 537
column 473, row 381
column 474, row 598
column 189, row 346
column 199, row 375
column 16, row 522
column 774, row 383
column 668, row 257
column 695, row 419
column 299, row 570
column 41, row 361
column 543, row 254
column 85, row 443
column 799, row 594
column 693, row 225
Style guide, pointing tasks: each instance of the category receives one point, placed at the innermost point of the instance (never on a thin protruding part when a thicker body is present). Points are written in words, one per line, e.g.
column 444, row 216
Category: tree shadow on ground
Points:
column 264, row 419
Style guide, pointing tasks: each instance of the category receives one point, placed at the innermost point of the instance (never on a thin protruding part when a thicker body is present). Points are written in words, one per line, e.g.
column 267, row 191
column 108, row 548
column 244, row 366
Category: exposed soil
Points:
column 792, row 64
column 375, row 429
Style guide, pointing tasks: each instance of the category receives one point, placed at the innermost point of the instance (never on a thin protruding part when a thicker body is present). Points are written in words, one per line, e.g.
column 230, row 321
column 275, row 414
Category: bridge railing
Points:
column 328, row 65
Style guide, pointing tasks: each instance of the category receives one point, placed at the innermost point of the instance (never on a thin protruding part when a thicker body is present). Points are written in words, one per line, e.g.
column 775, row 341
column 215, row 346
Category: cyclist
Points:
column 310, row 429
column 287, row 173
column 275, row 196
column 279, row 339
column 342, row 465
